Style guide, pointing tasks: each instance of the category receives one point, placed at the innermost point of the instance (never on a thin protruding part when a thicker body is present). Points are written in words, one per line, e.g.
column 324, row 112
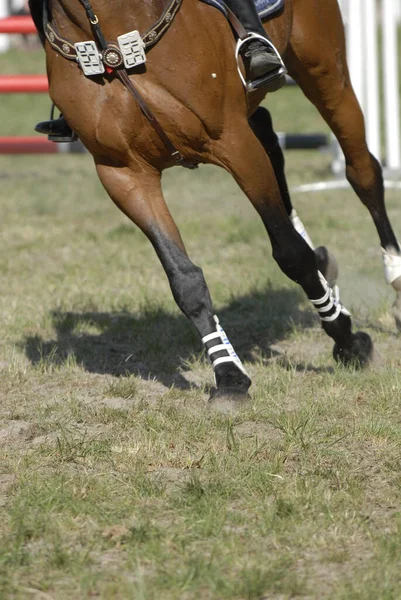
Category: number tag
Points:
column 89, row 58
column 132, row 49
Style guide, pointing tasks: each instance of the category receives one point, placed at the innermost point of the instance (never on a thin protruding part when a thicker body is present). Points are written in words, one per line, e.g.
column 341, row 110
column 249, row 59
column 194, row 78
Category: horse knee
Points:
column 190, row 291
column 187, row 282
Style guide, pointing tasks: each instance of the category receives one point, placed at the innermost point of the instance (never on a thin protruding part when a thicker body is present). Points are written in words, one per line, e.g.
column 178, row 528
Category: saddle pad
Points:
column 265, row 8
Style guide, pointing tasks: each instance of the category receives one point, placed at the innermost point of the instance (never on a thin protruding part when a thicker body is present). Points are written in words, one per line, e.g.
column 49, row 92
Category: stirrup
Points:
column 62, row 138
column 273, row 80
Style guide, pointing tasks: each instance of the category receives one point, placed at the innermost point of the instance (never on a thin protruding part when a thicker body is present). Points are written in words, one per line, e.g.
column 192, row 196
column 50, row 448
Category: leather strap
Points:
column 154, row 33
column 94, row 21
column 60, row 44
column 150, row 37
column 174, row 153
column 235, row 23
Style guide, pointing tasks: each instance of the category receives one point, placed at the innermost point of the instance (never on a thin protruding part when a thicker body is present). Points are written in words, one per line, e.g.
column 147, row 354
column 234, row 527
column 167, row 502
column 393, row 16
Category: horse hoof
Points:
column 327, row 265
column 358, row 353
column 228, row 400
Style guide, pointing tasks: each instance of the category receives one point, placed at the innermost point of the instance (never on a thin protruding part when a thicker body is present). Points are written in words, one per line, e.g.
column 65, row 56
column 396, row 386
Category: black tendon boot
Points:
column 264, row 66
column 57, row 130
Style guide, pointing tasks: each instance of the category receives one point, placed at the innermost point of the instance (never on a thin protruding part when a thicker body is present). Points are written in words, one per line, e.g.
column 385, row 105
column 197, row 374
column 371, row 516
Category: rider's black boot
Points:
column 263, row 64
column 57, row 130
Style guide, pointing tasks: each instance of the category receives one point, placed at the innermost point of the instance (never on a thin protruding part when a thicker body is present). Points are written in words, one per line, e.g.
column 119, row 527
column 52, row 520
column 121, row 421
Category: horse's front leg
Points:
column 240, row 152
column 139, row 195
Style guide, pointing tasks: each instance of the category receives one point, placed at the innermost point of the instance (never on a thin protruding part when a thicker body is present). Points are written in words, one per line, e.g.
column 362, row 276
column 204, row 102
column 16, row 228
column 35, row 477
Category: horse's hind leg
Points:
column 245, row 158
column 316, row 59
column 138, row 194
column 262, row 126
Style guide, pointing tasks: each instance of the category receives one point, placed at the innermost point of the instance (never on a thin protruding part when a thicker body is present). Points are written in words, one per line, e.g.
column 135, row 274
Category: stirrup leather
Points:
column 269, row 78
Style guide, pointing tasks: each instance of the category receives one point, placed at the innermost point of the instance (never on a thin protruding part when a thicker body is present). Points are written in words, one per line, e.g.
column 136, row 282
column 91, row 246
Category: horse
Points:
column 188, row 105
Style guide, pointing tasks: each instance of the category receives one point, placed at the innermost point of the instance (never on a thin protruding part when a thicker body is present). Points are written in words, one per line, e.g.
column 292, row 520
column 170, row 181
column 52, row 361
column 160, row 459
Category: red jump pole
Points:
column 27, row 145
column 22, row 24
column 16, row 84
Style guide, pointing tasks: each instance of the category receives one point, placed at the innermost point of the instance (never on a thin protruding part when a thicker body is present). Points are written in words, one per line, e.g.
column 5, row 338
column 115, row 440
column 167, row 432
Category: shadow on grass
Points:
column 155, row 343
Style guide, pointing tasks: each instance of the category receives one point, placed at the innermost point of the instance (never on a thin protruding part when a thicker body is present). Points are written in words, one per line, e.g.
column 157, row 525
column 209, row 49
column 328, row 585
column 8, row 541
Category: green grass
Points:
column 116, row 481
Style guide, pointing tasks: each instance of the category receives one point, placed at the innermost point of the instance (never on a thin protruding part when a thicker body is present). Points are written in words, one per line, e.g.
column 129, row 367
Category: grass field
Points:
column 116, row 481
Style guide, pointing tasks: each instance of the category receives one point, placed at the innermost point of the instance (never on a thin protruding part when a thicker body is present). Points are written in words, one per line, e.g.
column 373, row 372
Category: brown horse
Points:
column 192, row 86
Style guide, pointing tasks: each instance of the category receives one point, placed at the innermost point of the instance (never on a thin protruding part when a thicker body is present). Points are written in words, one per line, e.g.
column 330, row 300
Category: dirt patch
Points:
column 330, row 568
column 49, row 438
column 18, row 431
column 263, row 431
column 304, row 354
column 116, row 403
column 116, row 533
column 169, row 477
column 6, row 482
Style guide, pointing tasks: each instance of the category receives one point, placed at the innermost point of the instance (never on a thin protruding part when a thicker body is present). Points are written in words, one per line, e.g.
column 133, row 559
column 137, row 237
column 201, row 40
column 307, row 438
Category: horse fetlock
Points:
column 392, row 267
column 327, row 265
column 229, row 372
column 392, row 273
column 329, row 306
column 357, row 353
column 340, row 330
column 350, row 349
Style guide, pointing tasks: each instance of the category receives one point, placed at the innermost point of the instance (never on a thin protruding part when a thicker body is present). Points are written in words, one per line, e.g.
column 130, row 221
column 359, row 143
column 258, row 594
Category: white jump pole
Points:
column 338, row 162
column 352, row 14
column 382, row 123
column 355, row 48
column 361, row 18
column 391, row 83
column 4, row 39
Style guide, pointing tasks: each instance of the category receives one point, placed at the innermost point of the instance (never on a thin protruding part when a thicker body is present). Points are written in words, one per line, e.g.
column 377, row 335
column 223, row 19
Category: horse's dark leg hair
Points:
column 141, row 199
column 299, row 262
column 293, row 254
column 186, row 280
column 192, row 296
column 372, row 197
column 262, row 126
